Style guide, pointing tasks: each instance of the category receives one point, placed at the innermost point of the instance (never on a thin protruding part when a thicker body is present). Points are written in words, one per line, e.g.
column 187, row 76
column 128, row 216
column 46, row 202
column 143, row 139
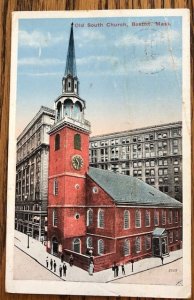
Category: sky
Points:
column 130, row 75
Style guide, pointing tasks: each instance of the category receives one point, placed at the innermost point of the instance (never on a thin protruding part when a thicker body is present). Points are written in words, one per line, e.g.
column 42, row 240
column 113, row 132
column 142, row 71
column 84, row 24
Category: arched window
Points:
column 54, row 217
column 55, row 187
column 126, row 219
column 68, row 106
column 89, row 242
column 163, row 217
column 147, row 242
column 57, row 141
column 147, row 218
column 137, row 244
column 100, row 218
column 126, row 247
column 77, row 141
column 76, row 245
column 156, row 217
column 170, row 216
column 77, row 111
column 89, row 217
column 137, row 218
column 59, row 111
column 100, row 247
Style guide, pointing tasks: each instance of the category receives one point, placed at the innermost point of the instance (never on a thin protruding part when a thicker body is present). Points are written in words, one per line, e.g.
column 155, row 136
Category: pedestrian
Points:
column 91, row 268
column 64, row 269
column 51, row 264
column 47, row 262
column 60, row 271
column 54, row 265
column 132, row 261
column 62, row 257
column 117, row 270
column 71, row 260
column 114, row 269
column 123, row 269
column 162, row 259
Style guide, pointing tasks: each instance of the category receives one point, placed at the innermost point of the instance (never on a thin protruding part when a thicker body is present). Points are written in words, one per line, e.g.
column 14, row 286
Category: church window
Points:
column 54, row 217
column 100, row 218
column 77, row 141
column 126, row 247
column 55, row 187
column 137, row 244
column 176, row 216
column 137, row 219
column 126, row 219
column 170, row 217
column 89, row 242
column 95, row 190
column 89, row 217
column 147, row 218
column 100, row 247
column 147, row 242
column 57, row 142
column 77, row 245
column 156, row 218
column 171, row 237
column 163, row 217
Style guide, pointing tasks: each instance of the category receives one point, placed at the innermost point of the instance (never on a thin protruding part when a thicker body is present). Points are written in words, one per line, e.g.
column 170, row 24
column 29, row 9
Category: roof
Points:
column 159, row 231
column 128, row 190
column 70, row 62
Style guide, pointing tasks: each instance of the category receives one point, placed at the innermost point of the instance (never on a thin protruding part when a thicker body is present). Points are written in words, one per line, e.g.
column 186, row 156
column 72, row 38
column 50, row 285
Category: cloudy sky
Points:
column 130, row 76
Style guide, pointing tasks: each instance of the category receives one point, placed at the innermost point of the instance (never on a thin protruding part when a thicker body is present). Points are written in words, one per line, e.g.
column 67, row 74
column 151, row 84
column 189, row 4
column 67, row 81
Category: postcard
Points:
column 99, row 167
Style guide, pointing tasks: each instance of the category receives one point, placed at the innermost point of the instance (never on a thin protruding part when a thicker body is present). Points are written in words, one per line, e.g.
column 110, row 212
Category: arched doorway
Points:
column 77, row 245
column 55, row 246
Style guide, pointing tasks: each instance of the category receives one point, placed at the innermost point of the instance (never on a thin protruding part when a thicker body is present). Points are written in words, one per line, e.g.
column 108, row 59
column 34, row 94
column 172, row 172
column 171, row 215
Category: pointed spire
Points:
column 70, row 62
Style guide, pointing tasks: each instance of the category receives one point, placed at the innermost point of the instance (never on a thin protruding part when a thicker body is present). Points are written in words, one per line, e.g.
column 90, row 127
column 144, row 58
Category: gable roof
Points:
column 128, row 190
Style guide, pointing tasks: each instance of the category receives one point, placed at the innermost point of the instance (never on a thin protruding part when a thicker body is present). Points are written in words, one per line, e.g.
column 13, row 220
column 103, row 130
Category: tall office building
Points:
column 32, row 175
column 152, row 154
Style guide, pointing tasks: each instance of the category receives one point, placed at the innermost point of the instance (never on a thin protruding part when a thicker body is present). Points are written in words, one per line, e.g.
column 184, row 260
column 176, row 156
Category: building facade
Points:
column 32, row 175
column 94, row 214
column 152, row 154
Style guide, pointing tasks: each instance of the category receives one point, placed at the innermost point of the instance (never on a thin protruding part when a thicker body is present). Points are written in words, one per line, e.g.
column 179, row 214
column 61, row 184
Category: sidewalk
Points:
column 38, row 252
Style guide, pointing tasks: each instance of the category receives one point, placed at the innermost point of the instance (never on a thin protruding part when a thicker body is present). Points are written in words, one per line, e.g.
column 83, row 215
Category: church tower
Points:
column 68, row 164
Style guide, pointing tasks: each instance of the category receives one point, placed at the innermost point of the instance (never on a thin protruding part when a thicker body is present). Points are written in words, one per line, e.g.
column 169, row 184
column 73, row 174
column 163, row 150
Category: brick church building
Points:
column 115, row 218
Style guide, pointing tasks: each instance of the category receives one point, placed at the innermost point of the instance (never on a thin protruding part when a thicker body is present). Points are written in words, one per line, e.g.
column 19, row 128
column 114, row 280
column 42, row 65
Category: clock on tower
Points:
column 68, row 164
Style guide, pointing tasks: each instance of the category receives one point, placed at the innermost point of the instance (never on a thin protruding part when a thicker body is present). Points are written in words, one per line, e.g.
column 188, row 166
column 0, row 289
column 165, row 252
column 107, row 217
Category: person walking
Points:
column 64, row 269
column 162, row 259
column 62, row 257
column 114, row 269
column 47, row 263
column 60, row 271
column 51, row 264
column 71, row 260
column 91, row 268
column 117, row 270
column 123, row 269
column 54, row 265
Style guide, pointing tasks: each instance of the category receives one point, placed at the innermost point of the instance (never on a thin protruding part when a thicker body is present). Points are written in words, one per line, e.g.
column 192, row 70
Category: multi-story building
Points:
column 153, row 154
column 32, row 175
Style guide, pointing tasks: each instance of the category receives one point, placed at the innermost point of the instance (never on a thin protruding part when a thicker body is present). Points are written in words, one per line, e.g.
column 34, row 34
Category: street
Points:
column 28, row 268
column 170, row 274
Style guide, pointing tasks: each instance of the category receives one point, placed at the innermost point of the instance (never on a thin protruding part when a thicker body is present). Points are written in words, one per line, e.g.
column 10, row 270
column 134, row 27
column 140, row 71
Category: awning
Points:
column 159, row 231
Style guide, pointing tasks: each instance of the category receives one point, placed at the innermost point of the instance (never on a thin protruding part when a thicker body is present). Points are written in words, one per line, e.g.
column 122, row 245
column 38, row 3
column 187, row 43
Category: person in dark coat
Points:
column 114, row 269
column 60, row 271
column 64, row 269
column 123, row 269
column 71, row 260
column 51, row 264
column 117, row 270
column 54, row 265
column 47, row 263
column 62, row 257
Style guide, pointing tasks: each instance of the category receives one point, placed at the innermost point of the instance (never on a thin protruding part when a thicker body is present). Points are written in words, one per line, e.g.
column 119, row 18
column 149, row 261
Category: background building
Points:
column 153, row 154
column 32, row 174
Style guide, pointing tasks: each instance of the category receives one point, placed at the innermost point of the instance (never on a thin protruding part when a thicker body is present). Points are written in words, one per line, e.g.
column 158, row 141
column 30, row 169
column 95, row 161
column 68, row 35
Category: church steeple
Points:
column 70, row 81
column 70, row 62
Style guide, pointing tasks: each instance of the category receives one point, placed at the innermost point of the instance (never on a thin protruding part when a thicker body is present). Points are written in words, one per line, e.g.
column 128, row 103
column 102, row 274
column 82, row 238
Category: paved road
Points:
column 35, row 271
column 170, row 274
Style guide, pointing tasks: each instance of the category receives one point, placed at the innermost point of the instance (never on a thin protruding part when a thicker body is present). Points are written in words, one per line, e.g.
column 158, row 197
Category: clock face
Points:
column 77, row 162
